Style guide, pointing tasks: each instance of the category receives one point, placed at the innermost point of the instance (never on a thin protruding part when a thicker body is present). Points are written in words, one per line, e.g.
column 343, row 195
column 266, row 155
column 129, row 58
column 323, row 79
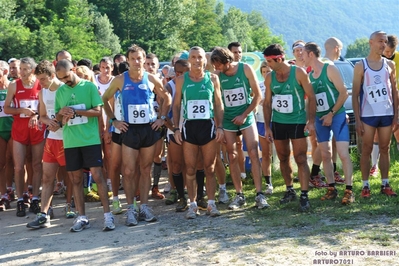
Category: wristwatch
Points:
column 163, row 117
column 112, row 120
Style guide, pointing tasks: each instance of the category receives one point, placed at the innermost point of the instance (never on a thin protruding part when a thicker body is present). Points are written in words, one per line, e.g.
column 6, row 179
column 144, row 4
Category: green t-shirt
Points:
column 5, row 120
column 235, row 93
column 198, row 98
column 80, row 131
column 326, row 93
column 288, row 100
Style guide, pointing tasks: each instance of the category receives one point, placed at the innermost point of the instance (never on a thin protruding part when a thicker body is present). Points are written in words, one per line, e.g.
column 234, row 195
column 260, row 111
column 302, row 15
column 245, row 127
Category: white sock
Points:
column 385, row 182
column 222, row 186
column 210, row 202
column 116, row 198
column 193, row 204
column 375, row 154
column 243, row 175
column 366, row 183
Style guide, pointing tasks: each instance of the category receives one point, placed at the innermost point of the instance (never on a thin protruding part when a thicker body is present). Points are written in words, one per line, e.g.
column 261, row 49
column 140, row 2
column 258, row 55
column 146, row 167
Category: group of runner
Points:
column 113, row 124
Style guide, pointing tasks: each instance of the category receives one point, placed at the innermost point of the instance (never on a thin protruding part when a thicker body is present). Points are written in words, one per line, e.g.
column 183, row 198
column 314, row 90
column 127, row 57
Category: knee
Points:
column 190, row 172
column 301, row 159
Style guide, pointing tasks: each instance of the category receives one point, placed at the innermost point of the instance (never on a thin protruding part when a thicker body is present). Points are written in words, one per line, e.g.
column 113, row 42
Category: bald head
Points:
column 63, row 55
column 333, row 48
column 377, row 34
column 64, row 64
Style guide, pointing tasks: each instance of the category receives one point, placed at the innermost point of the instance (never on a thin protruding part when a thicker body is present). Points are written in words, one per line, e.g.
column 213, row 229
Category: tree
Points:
column 360, row 48
column 235, row 21
column 204, row 31
column 104, row 33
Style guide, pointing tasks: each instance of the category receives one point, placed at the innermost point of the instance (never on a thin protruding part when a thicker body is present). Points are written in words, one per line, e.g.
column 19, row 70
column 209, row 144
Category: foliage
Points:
column 360, row 48
column 95, row 28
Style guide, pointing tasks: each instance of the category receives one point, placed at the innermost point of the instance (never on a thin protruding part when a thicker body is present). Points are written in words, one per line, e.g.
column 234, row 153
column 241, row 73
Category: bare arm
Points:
column 12, row 110
column 177, row 107
column 267, row 108
column 357, row 81
column 303, row 80
column 218, row 108
column 392, row 77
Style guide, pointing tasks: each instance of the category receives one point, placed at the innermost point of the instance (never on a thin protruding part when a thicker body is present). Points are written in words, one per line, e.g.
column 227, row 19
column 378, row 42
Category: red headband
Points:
column 274, row 56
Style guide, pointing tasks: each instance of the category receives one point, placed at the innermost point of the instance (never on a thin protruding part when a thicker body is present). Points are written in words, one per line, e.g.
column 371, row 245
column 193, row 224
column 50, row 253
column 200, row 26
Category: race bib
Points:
column 51, row 113
column 31, row 104
column 198, row 109
column 78, row 119
column 283, row 103
column 2, row 114
column 321, row 102
column 234, row 97
column 138, row 114
column 376, row 94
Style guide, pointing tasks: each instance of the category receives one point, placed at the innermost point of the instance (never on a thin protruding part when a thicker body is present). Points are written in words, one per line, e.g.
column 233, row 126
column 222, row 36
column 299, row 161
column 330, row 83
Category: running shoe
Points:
column 41, row 221
column 109, row 222
column 338, row 178
column 269, row 189
column 167, row 188
column 202, row 204
column 289, row 195
column 331, row 194
column 156, row 194
column 92, row 197
column 26, row 198
column 223, row 197
column 172, row 197
column 349, row 197
column 4, row 204
column 34, row 207
column 304, row 203
column 374, row 171
column 212, row 211
column 316, row 182
column 69, row 213
column 11, row 194
column 21, row 209
column 387, row 190
column 237, row 202
column 59, row 189
column 131, row 217
column 80, row 223
column 193, row 212
column 366, row 192
column 116, row 207
column 181, row 205
column 260, row 202
column 146, row 214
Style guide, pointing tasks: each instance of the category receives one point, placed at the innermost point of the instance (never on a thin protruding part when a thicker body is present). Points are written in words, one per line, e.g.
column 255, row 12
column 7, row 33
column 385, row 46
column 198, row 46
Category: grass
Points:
column 329, row 217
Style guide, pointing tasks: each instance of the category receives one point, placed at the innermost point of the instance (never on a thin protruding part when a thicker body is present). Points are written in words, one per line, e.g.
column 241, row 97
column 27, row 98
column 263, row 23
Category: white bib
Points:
column 198, row 109
column 78, row 119
column 31, row 104
column 138, row 114
column 234, row 97
column 321, row 102
column 283, row 103
column 2, row 114
column 376, row 94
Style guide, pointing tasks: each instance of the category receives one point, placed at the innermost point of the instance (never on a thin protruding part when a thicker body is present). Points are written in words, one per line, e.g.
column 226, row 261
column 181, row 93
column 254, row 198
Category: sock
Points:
column 304, row 193
column 375, row 154
column 193, row 204
column 211, row 202
column 179, row 183
column 243, row 175
column 335, row 167
column 240, row 194
column 385, row 182
column 157, row 173
column 331, row 185
column 290, row 188
column 315, row 170
column 35, row 198
column 268, row 179
column 366, row 183
column 107, row 214
column 348, row 187
column 222, row 186
column 200, row 177
column 20, row 199
column 397, row 146
column 115, row 198
column 259, row 193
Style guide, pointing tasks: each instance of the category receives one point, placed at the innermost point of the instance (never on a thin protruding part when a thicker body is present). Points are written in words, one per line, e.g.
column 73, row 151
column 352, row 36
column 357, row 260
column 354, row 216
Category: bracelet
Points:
column 220, row 128
column 60, row 124
column 176, row 129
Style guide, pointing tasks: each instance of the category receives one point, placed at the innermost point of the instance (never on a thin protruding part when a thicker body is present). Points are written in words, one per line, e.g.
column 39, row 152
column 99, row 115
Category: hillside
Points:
column 318, row 20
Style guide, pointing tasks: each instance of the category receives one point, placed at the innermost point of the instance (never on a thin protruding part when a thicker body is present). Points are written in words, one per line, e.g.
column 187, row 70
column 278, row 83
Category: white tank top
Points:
column 102, row 88
column 259, row 113
column 49, row 101
column 376, row 93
